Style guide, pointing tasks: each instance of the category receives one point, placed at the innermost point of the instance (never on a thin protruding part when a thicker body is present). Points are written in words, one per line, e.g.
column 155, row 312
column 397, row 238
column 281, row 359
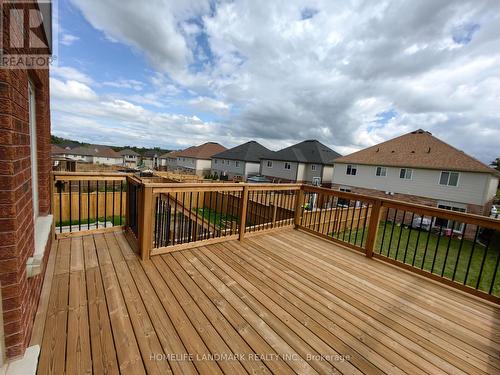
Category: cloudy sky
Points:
column 348, row 73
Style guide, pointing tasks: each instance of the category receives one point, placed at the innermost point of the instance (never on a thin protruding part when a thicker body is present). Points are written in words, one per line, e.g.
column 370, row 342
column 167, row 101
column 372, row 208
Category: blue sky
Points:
column 348, row 73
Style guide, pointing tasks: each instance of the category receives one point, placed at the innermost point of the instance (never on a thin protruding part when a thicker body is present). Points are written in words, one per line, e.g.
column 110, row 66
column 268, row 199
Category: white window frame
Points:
column 449, row 178
column 316, row 181
column 287, row 164
column 313, row 167
column 350, row 168
column 383, row 171
column 33, row 149
column 406, row 177
column 269, row 164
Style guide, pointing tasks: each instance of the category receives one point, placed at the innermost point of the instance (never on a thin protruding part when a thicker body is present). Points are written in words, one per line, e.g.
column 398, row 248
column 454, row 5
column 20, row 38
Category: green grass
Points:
column 84, row 221
column 438, row 254
column 216, row 218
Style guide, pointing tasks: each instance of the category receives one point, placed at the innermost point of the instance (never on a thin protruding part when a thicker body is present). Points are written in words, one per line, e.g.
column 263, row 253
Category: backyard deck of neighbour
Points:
column 282, row 302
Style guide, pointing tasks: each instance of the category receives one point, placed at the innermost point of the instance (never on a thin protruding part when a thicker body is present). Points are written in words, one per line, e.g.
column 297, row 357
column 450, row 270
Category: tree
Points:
column 496, row 164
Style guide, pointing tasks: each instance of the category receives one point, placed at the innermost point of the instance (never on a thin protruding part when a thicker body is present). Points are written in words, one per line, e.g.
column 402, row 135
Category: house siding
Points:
column 424, row 183
column 278, row 170
column 20, row 295
column 244, row 169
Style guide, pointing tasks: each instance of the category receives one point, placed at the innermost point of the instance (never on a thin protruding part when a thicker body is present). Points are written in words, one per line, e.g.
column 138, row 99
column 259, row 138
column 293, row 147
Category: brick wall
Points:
column 20, row 295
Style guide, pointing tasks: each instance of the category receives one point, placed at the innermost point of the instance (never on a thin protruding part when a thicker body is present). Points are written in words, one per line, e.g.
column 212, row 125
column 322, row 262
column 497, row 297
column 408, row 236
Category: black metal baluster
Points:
column 169, row 221
column 459, row 252
column 482, row 263
column 221, row 210
column 383, row 233
column 113, row 201
column 394, row 219
column 427, row 244
column 196, row 227
column 174, row 238
column 447, row 248
column 105, row 202
column 357, row 224
column 471, row 255
column 121, row 202
column 190, row 226
column 409, row 235
column 418, row 239
column 401, row 228
column 183, row 216
column 157, row 222
column 203, row 216
column 335, row 216
column 437, row 248
column 346, row 219
column 330, row 207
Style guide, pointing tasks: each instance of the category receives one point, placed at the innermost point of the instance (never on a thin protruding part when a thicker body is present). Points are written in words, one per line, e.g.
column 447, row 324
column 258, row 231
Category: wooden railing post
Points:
column 299, row 203
column 146, row 222
column 275, row 208
column 373, row 225
column 243, row 211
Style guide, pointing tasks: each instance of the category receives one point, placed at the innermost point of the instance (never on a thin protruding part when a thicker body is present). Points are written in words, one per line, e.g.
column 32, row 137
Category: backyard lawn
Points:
column 443, row 256
column 220, row 221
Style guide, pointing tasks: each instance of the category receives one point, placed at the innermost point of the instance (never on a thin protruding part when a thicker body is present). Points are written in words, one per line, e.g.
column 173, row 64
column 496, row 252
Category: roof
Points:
column 128, row 152
column 94, row 150
column 56, row 150
column 171, row 154
column 310, row 151
column 152, row 153
column 418, row 149
column 204, row 151
column 251, row 151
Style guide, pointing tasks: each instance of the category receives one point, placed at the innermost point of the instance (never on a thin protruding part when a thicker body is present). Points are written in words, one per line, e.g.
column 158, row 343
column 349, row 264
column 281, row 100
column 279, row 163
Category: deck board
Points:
column 282, row 302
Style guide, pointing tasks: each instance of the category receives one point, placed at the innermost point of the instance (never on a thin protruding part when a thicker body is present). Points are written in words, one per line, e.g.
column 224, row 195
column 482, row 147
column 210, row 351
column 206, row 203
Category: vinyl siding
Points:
column 278, row 170
column 425, row 183
column 231, row 170
column 309, row 174
column 491, row 190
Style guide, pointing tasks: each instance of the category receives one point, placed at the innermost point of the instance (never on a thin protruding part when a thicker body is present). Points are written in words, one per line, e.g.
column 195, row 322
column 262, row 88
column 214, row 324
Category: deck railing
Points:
column 455, row 248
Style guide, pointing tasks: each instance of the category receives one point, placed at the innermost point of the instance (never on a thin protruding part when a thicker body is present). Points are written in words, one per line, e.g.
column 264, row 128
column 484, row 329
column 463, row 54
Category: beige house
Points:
column 130, row 158
column 419, row 168
column 197, row 159
column 168, row 161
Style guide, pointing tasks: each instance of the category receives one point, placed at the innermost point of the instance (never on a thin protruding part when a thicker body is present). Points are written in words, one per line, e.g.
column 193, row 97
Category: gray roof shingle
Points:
column 250, row 151
column 310, row 151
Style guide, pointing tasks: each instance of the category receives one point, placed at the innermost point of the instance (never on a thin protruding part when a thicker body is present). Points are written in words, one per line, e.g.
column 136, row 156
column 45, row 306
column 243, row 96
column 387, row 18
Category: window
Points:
column 227, row 162
column 351, row 170
column 345, row 189
column 33, row 148
column 215, row 161
column 236, row 164
column 316, row 181
column 449, row 178
column 450, row 224
column 406, row 173
column 342, row 202
column 381, row 171
column 313, row 167
column 269, row 163
column 288, row 165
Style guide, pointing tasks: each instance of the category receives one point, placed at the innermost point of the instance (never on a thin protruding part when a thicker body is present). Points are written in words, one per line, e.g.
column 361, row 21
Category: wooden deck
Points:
column 286, row 302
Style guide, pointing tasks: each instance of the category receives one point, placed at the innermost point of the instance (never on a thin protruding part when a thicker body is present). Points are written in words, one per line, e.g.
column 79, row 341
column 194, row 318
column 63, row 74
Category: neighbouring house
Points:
column 151, row 159
column 308, row 162
column 25, row 201
column 130, row 158
column 95, row 154
column 240, row 162
column 419, row 168
column 197, row 159
column 168, row 161
column 60, row 162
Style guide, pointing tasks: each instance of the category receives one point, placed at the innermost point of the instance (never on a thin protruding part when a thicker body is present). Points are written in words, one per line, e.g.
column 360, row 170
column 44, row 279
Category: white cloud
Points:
column 280, row 78
column 68, row 39
column 69, row 73
column 71, row 90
